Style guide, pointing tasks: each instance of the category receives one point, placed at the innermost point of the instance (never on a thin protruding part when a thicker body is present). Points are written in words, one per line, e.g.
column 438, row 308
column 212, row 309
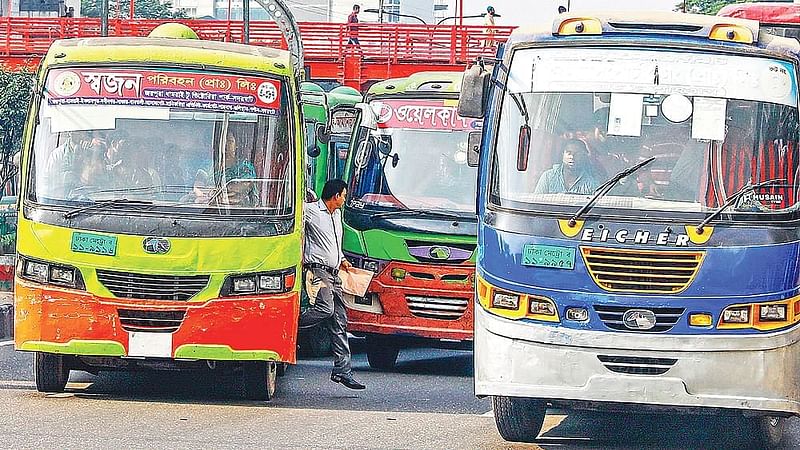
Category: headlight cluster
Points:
column 373, row 265
column 514, row 305
column 761, row 316
column 49, row 273
column 274, row 282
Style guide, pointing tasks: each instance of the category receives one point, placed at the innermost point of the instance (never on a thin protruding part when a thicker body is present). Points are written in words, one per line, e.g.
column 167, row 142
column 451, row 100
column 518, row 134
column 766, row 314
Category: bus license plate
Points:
column 548, row 256
column 154, row 345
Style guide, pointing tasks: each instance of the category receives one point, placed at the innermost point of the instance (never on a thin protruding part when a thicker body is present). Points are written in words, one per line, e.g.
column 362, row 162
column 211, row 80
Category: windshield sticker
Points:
column 163, row 89
column 655, row 72
column 708, row 121
column 548, row 256
column 637, row 237
column 422, row 115
column 625, row 115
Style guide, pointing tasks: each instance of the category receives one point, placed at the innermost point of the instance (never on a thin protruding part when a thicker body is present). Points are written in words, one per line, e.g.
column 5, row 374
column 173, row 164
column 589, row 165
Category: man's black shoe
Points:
column 347, row 380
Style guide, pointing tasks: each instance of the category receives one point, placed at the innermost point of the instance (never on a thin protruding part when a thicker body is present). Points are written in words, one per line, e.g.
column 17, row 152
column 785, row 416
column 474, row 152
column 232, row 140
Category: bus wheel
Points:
column 281, row 369
column 319, row 342
column 51, row 372
column 260, row 379
column 518, row 419
column 381, row 353
column 780, row 432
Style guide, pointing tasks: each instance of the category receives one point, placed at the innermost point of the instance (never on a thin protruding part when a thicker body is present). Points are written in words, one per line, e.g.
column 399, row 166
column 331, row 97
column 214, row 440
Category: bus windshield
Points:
column 714, row 124
column 416, row 159
column 413, row 169
column 200, row 143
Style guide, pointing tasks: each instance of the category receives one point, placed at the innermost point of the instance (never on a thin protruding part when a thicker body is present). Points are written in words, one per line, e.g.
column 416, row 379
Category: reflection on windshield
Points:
column 706, row 147
column 192, row 160
column 414, row 169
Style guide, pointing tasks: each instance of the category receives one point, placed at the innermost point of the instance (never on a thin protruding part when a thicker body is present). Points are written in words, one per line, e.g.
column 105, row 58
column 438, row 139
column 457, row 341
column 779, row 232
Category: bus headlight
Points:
column 270, row 282
column 772, row 313
column 543, row 307
column 505, row 300
column 49, row 273
column 276, row 282
column 244, row 285
column 737, row 314
column 372, row 266
column 36, row 271
column 62, row 275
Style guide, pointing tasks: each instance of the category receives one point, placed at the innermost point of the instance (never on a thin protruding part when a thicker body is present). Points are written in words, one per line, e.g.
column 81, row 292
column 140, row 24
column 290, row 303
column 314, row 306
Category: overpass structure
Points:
column 385, row 50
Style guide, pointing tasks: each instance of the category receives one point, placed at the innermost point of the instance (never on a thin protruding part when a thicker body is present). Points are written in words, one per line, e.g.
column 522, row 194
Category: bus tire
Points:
column 381, row 353
column 50, row 372
column 780, row 432
column 518, row 419
column 260, row 380
column 319, row 342
column 281, row 369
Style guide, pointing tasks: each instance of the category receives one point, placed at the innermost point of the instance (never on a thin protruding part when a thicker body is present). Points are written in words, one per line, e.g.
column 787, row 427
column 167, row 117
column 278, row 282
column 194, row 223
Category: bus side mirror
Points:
column 473, row 148
column 523, row 147
column 368, row 117
column 474, row 92
column 321, row 133
column 312, row 149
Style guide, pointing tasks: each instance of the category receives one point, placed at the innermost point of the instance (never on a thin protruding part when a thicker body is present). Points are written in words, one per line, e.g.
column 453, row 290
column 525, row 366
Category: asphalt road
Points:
column 427, row 403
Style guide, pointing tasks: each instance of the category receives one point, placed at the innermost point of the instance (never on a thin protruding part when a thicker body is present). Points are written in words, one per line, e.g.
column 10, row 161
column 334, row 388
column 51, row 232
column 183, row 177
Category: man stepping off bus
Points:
column 322, row 260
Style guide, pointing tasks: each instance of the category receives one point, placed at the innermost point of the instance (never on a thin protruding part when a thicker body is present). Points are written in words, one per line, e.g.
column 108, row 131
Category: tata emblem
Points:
column 639, row 319
column 440, row 253
column 156, row 246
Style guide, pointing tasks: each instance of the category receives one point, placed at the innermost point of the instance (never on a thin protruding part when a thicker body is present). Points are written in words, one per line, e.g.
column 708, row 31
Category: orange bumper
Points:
column 430, row 301
column 245, row 327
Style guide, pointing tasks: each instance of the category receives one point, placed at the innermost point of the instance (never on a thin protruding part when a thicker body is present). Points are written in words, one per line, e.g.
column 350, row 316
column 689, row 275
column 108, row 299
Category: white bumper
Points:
column 757, row 373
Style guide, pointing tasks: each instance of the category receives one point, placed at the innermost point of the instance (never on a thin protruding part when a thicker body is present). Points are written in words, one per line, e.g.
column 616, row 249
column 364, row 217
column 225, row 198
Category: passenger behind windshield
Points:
column 573, row 175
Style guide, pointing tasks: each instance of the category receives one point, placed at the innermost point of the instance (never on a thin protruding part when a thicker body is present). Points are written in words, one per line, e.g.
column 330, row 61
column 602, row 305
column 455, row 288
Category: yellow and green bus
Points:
column 160, row 209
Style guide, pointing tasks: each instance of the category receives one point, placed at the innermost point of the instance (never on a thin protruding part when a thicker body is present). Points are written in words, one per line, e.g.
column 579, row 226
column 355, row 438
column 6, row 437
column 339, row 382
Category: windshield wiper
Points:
column 733, row 198
column 104, row 204
column 417, row 212
column 604, row 189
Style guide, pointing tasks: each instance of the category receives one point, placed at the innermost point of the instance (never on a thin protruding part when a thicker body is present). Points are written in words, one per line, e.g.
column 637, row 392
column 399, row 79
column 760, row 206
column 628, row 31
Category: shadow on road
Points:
column 585, row 429
column 425, row 381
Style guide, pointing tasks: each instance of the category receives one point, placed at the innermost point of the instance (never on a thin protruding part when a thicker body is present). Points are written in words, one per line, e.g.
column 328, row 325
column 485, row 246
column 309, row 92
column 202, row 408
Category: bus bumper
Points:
column 431, row 302
column 54, row 320
column 749, row 373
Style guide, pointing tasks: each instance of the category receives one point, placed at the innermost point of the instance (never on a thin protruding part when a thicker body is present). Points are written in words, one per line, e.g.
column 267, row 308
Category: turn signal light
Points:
column 398, row 273
column 700, row 320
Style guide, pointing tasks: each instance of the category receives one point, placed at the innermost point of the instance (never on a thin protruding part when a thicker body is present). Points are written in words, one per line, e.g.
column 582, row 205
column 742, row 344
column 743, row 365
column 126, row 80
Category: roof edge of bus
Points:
column 415, row 83
column 82, row 44
column 590, row 23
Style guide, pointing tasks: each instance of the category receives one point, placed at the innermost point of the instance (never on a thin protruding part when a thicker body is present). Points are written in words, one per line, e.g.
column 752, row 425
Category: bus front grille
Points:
column 635, row 365
column 614, row 318
column 642, row 271
column 135, row 320
column 152, row 287
column 442, row 308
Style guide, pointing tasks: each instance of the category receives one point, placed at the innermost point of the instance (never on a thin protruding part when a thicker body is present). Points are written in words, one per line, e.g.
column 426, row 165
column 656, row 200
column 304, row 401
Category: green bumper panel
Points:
column 83, row 348
column 223, row 353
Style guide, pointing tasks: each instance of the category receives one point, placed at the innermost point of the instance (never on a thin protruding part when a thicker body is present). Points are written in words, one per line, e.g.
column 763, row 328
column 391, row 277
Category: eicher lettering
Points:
column 635, row 237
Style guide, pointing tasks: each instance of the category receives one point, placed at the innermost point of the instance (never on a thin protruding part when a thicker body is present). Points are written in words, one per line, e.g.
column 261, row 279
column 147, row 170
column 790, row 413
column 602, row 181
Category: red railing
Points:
column 426, row 46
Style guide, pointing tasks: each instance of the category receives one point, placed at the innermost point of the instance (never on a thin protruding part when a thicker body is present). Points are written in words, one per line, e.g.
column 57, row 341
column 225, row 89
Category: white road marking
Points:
column 17, row 383
column 4, row 343
column 489, row 413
